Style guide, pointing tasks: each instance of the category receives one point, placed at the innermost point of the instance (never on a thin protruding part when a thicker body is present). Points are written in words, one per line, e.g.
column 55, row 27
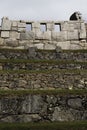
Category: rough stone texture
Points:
column 5, row 34
column 48, row 55
column 69, row 32
column 43, row 80
column 39, row 108
column 6, row 24
column 14, row 35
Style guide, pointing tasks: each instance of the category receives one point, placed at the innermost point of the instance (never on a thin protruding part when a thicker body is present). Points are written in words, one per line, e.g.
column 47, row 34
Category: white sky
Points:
column 42, row 9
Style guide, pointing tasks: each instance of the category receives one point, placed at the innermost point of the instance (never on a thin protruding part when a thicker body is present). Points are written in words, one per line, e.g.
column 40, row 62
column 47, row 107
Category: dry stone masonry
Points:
column 43, row 70
column 44, row 34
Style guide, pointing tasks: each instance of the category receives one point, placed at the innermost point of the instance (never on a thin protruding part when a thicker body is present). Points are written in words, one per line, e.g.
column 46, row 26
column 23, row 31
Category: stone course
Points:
column 66, row 36
column 37, row 108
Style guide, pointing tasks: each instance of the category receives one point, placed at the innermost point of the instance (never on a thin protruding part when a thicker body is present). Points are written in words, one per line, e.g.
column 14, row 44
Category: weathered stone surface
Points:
column 62, row 115
column 49, row 47
column 14, row 35
column 27, row 36
column 14, row 23
column 34, row 108
column 6, row 24
column 5, row 34
column 21, row 25
column 21, row 30
column 73, row 35
column 1, row 41
column 75, row 103
column 11, row 42
column 39, row 45
column 64, row 45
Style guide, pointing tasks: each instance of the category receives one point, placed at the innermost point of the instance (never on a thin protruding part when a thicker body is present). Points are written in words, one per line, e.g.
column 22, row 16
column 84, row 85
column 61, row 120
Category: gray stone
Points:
column 14, row 35
column 27, row 36
column 62, row 115
column 32, row 52
column 11, row 42
column 73, row 35
column 39, row 45
column 75, row 103
column 32, row 104
column 21, row 25
column 6, row 24
column 1, row 41
column 49, row 47
column 14, row 23
column 4, row 34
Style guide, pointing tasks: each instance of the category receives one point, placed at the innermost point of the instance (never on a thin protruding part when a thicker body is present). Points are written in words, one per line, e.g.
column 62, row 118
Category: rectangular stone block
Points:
column 50, row 26
column 6, row 24
column 14, row 35
column 39, row 45
column 27, row 36
column 21, row 29
column 83, row 31
column 14, row 23
column 1, row 41
column 73, row 35
column 21, row 25
column 5, row 34
column 64, row 45
column 14, row 28
column 59, row 36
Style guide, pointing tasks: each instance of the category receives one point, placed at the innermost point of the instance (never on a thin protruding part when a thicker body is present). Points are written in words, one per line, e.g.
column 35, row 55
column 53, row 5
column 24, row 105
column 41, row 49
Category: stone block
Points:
column 50, row 26
column 5, row 34
column 6, row 24
column 36, row 25
column 83, row 31
column 14, row 35
column 14, row 28
column 49, row 47
column 27, row 36
column 43, row 35
column 39, row 45
column 21, row 29
column 11, row 42
column 47, row 35
column 1, row 41
column 59, row 36
column 14, row 23
column 21, row 25
column 73, row 35
column 64, row 45
column 65, row 26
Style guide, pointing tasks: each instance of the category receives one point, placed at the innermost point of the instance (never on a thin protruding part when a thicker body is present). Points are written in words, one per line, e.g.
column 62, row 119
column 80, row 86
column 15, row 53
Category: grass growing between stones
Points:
column 42, row 61
column 42, row 92
column 78, row 125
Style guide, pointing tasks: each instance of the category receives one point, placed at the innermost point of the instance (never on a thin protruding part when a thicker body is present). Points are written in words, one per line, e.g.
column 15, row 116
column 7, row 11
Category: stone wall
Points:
column 43, row 34
column 34, row 54
column 57, row 79
column 34, row 108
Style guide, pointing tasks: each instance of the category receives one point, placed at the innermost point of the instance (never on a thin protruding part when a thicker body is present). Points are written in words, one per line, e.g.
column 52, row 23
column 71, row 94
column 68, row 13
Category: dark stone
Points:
column 75, row 16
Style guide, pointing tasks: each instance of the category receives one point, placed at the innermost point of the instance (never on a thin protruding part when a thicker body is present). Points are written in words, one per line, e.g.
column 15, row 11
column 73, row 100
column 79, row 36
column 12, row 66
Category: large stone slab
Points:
column 73, row 35
column 27, row 36
column 14, row 35
column 5, row 34
column 6, row 24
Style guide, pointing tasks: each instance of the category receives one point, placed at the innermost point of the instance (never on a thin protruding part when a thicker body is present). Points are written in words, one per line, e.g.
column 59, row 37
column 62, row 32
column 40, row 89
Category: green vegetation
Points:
column 42, row 61
column 42, row 92
column 78, row 125
column 38, row 50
